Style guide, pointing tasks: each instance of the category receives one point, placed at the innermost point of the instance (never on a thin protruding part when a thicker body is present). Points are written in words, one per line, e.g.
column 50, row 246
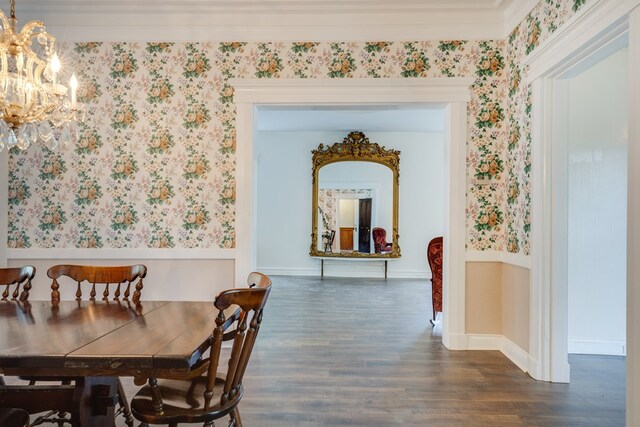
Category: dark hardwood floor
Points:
column 360, row 352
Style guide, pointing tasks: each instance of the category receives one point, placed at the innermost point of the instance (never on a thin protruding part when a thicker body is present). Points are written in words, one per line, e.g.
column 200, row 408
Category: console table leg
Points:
column 385, row 269
column 321, row 268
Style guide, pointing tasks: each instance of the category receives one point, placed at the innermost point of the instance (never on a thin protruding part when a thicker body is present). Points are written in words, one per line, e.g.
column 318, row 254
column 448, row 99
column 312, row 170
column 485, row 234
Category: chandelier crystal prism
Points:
column 34, row 105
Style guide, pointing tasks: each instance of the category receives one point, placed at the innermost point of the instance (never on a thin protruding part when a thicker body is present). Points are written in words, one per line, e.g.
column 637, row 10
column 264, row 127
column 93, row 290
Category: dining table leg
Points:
column 96, row 399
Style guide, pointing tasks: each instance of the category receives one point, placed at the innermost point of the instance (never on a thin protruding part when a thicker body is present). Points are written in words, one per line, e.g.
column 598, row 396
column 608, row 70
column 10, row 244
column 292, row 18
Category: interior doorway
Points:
column 596, row 95
column 451, row 93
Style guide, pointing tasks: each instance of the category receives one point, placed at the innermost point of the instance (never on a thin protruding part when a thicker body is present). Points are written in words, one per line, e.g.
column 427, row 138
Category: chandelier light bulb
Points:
column 55, row 67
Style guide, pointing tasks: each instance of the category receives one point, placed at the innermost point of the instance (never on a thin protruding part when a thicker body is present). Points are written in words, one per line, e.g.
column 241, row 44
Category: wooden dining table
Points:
column 96, row 342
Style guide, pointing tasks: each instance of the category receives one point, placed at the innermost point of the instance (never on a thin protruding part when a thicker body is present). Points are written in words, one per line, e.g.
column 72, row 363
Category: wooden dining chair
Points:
column 20, row 277
column 434, row 257
column 100, row 275
column 17, row 277
column 257, row 279
column 120, row 280
column 210, row 396
column 13, row 417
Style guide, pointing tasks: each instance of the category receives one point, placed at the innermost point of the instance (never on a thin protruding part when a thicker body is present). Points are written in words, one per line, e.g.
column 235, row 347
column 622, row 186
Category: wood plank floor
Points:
column 360, row 352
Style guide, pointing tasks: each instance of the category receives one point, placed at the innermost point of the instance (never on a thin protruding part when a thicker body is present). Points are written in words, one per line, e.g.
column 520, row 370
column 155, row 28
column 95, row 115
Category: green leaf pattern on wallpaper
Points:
column 544, row 20
column 154, row 166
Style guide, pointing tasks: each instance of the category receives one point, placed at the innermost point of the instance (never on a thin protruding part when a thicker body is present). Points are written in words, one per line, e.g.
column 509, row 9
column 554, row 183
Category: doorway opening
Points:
column 597, row 117
column 452, row 93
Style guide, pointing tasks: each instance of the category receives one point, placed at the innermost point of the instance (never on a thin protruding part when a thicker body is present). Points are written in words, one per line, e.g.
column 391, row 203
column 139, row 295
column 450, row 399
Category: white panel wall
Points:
column 598, row 116
column 283, row 162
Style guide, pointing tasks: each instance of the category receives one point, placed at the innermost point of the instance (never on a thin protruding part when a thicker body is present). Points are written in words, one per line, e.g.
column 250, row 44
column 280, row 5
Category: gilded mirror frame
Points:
column 355, row 147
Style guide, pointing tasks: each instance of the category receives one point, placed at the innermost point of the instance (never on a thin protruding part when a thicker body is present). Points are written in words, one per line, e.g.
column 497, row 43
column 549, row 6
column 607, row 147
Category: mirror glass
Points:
column 354, row 209
column 354, row 197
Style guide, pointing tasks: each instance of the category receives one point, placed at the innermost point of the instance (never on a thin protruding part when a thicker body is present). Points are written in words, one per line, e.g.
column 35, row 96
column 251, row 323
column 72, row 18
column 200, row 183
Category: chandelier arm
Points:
column 27, row 32
column 5, row 22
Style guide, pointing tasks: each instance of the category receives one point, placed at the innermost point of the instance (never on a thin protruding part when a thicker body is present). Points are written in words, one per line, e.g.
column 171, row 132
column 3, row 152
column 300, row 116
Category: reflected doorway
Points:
column 355, row 224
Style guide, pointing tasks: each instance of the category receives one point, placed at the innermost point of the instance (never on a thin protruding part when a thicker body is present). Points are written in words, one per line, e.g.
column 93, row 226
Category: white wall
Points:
column 598, row 126
column 167, row 280
column 283, row 174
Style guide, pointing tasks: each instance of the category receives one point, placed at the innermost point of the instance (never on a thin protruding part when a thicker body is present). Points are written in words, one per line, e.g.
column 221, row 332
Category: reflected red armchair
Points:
column 434, row 256
column 380, row 241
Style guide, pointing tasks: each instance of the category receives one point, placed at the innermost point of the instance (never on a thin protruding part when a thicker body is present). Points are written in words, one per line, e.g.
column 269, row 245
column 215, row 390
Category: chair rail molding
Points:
column 121, row 253
column 453, row 93
column 517, row 260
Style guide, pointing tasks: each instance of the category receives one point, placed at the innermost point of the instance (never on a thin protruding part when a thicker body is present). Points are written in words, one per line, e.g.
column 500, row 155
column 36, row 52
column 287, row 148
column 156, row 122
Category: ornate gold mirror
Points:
column 355, row 199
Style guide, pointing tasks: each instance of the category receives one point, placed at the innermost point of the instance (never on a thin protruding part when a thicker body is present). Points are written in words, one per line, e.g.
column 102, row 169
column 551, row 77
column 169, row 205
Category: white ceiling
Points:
column 370, row 118
column 251, row 20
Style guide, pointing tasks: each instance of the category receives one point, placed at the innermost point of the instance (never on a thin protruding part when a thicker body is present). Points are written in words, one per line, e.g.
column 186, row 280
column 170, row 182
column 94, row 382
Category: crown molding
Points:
column 516, row 12
column 275, row 20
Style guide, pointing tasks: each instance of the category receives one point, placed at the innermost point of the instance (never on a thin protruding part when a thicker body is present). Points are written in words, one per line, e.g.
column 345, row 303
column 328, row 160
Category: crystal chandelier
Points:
column 33, row 104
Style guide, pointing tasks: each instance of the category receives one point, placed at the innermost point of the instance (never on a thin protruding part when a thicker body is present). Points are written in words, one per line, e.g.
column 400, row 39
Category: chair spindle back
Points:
column 19, row 276
column 251, row 303
column 100, row 275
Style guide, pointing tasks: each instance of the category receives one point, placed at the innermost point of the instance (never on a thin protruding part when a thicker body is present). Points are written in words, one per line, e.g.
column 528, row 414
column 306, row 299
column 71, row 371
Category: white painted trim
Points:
column 517, row 260
column 515, row 13
column 272, row 20
column 514, row 353
column 597, row 22
column 125, row 253
column 500, row 343
column 454, row 235
column 483, row 341
column 608, row 348
column 377, row 272
column 633, row 226
column 353, row 91
column 274, row 32
column 310, row 272
column 452, row 92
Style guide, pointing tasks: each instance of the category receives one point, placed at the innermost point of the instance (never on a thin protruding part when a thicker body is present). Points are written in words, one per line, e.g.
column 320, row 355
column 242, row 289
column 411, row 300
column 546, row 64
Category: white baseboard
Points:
column 610, row 348
column 501, row 343
column 456, row 341
column 483, row 341
column 365, row 270
column 514, row 353
column 289, row 271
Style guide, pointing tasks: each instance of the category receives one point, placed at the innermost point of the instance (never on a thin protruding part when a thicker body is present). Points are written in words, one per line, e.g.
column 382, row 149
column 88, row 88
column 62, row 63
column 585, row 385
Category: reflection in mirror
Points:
column 355, row 199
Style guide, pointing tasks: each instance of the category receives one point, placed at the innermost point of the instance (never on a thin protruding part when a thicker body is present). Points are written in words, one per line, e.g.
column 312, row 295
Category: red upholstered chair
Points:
column 434, row 256
column 380, row 241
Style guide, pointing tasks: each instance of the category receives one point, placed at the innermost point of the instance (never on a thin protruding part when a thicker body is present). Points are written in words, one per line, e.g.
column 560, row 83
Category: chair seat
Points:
column 12, row 417
column 183, row 402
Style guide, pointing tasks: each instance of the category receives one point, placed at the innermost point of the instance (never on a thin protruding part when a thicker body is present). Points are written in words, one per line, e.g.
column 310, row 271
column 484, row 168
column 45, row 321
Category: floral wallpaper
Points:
column 154, row 162
column 543, row 21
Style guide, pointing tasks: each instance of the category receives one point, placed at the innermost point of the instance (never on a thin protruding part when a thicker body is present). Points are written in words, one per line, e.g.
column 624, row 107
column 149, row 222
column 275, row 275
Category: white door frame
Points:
column 454, row 93
column 599, row 23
